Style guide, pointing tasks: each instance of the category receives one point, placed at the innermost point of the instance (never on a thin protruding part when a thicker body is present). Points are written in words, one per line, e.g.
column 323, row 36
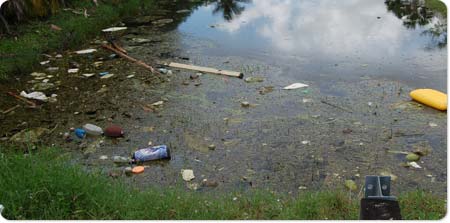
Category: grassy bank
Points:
column 44, row 186
column 21, row 55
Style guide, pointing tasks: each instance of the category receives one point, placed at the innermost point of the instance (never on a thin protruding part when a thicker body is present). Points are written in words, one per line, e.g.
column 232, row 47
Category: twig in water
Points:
column 54, row 128
column 138, row 62
column 115, row 45
column 10, row 109
column 32, row 104
column 336, row 106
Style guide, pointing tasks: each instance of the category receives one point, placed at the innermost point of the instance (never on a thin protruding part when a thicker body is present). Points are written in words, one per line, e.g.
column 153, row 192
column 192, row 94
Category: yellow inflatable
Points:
column 430, row 97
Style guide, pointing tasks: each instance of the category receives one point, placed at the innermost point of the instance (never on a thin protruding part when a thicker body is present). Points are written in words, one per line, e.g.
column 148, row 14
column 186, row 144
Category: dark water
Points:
column 329, row 40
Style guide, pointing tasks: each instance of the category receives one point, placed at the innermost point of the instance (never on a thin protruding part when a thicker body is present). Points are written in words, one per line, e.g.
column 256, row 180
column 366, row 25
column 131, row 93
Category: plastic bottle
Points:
column 152, row 153
column 93, row 129
column 120, row 160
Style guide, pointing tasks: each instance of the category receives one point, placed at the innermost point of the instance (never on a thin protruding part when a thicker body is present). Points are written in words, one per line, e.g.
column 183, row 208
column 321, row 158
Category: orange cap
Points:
column 138, row 169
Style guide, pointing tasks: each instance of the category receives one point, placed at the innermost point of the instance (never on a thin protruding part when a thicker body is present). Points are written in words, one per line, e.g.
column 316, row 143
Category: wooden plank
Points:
column 207, row 70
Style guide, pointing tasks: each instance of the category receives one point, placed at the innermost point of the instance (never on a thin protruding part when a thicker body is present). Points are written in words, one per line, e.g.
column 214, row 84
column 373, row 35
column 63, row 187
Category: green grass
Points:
column 44, row 185
column 18, row 56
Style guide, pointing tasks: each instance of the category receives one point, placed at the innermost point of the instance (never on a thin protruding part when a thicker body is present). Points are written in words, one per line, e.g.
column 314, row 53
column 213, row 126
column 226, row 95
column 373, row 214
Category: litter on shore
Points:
column 86, row 51
column 188, row 175
column 114, row 29
column 35, row 95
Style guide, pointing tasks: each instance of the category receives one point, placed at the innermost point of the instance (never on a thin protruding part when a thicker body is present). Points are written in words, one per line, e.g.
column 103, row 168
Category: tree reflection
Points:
column 230, row 8
column 414, row 13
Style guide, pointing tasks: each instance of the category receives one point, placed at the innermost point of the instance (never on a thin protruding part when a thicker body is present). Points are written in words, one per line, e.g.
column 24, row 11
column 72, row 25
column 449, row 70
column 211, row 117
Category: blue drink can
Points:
column 152, row 153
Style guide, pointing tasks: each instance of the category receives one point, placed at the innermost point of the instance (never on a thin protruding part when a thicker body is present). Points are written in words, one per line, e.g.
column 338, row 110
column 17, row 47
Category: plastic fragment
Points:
column 86, row 51
column 295, row 86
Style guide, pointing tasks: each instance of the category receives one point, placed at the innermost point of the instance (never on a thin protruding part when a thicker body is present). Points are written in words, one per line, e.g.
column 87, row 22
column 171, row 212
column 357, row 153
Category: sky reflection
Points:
column 324, row 32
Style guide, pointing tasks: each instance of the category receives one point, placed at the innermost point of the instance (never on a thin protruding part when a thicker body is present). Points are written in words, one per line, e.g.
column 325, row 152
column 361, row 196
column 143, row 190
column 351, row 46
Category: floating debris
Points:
column 306, row 142
column 140, row 40
column 36, row 74
column 35, row 95
column 351, row 185
column 80, row 133
column 295, row 86
column 55, row 27
column 187, row 174
column 209, row 183
column 265, row 90
column 347, row 131
column 397, row 152
column 207, row 70
column 162, row 21
column 114, row 29
column 93, row 129
column 245, row 104
column 194, row 76
column 422, row 148
column 89, row 75
column 163, row 70
column 412, row 157
column 138, row 169
column 128, row 171
column 86, row 51
column 52, row 69
column 114, row 131
column 192, row 186
column 152, row 153
column 415, row 165
column 254, row 79
column 212, row 147
column 52, row 98
column 44, row 62
column 72, row 71
column 159, row 103
column 430, row 97
column 107, row 76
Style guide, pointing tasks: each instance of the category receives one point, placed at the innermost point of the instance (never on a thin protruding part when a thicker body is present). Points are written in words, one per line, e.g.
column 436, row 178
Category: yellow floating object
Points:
column 430, row 97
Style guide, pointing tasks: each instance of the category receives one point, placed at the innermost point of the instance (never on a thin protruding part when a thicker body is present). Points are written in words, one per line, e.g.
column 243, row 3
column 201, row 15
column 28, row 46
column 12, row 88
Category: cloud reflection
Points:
column 323, row 26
